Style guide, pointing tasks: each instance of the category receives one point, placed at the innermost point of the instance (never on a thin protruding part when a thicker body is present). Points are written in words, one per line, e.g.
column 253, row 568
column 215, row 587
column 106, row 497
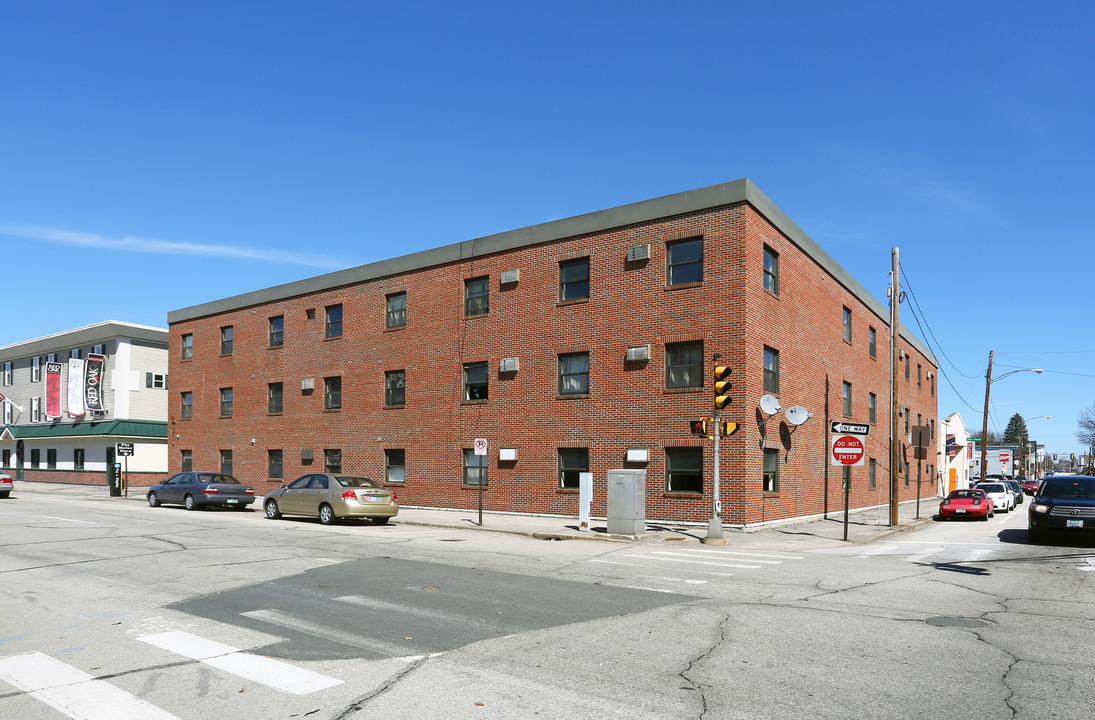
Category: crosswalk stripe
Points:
column 696, row 562
column 74, row 692
column 292, row 622
column 263, row 670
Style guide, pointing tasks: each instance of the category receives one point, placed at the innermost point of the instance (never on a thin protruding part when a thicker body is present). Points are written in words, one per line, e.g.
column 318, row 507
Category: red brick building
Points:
column 583, row 344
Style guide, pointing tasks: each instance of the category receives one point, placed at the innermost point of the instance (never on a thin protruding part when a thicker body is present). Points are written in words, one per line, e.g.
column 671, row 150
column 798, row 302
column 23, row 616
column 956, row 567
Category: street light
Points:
column 985, row 426
column 1025, row 462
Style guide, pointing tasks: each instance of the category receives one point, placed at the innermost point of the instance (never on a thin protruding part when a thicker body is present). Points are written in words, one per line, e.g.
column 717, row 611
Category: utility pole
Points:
column 985, row 423
column 895, row 442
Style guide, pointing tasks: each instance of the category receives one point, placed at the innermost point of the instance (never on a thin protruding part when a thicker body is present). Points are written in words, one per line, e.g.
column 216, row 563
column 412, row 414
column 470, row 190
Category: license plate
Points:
column 1074, row 523
column 232, row 500
column 372, row 498
column 960, row 511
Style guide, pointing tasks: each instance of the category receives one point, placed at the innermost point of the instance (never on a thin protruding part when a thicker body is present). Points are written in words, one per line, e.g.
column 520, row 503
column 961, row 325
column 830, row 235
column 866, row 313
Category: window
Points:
column 394, row 391
column 846, row 396
column 332, row 393
column 906, row 367
column 872, row 407
column 771, row 270
column 332, row 461
column 51, row 459
column 872, row 474
column 186, row 409
column 919, row 375
column 571, row 462
column 872, row 342
column 7, row 373
column 574, row 374
column 78, row 459
column 395, row 466
column 931, row 382
column 771, row 370
column 35, row 409
column 74, row 354
column 476, row 297
column 771, row 470
column 157, row 381
column 7, row 412
column 35, row 369
column 396, row 315
column 906, row 414
column 226, row 340
column 332, row 325
column 847, row 325
column 226, row 403
column 35, row 459
column 275, row 392
column 51, row 357
column 97, row 349
column 474, row 474
column 187, row 346
column 277, row 331
column 684, row 365
column 226, row 462
column 574, row 279
column 684, row 262
column 275, row 468
column 684, row 469
column 186, row 460
column 475, row 381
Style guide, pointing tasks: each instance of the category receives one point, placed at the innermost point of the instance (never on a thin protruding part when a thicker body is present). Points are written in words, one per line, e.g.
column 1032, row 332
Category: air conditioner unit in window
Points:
column 510, row 365
column 307, row 384
column 306, row 455
column 510, row 276
column 638, row 252
column 638, row 353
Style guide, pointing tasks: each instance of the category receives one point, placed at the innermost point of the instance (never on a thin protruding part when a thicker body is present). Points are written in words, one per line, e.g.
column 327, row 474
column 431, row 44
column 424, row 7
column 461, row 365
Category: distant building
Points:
column 580, row 345
column 69, row 398
column 953, row 453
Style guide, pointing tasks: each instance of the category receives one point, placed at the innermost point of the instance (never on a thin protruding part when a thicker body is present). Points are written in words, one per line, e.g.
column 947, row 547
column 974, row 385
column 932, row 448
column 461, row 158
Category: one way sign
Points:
column 847, row 428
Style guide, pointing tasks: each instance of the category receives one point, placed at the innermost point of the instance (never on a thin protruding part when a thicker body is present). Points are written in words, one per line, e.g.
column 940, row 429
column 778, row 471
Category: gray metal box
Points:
column 626, row 502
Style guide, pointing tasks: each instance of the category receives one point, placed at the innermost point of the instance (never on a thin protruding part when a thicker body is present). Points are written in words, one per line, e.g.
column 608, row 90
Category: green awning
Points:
column 111, row 428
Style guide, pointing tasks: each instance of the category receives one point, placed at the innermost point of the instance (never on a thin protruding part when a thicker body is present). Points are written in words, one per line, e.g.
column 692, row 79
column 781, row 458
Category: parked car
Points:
column 195, row 490
column 966, row 503
column 6, row 484
column 331, row 497
column 1062, row 503
column 1030, row 486
column 1016, row 490
column 1000, row 494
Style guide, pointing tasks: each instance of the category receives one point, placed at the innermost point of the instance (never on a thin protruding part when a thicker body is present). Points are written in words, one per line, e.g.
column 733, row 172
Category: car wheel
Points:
column 326, row 514
column 5, row 494
column 272, row 510
column 153, row 501
column 190, row 503
column 381, row 520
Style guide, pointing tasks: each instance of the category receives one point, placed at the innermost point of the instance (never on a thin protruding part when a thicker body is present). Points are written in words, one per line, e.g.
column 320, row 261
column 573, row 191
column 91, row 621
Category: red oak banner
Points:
column 53, row 390
column 94, row 367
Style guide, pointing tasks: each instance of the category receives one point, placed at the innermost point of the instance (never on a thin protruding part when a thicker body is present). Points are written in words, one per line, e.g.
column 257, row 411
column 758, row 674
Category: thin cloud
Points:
column 167, row 247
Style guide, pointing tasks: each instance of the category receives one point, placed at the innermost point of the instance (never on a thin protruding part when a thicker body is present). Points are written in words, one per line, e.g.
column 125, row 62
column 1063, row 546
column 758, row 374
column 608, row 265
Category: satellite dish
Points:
column 769, row 404
column 797, row 415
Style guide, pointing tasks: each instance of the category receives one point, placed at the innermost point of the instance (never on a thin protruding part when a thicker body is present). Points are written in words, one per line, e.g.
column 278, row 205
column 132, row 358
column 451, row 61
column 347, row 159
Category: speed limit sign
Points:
column 480, row 446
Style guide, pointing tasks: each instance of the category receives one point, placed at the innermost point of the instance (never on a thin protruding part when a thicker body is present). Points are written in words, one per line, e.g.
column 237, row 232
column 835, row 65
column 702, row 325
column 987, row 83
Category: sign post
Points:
column 921, row 439
column 847, row 450
column 481, row 451
column 125, row 449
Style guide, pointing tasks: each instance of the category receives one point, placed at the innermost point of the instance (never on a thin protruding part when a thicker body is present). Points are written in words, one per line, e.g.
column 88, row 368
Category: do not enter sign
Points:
column 848, row 450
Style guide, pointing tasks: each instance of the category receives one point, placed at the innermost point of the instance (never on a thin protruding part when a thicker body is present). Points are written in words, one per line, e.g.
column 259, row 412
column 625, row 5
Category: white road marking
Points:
column 51, row 517
column 292, row 622
column 263, row 670
column 74, row 692
column 640, row 565
column 744, row 554
column 696, row 562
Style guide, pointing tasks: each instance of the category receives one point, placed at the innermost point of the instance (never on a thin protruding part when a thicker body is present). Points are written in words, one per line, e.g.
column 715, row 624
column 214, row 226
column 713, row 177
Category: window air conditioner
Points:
column 638, row 252
column 638, row 353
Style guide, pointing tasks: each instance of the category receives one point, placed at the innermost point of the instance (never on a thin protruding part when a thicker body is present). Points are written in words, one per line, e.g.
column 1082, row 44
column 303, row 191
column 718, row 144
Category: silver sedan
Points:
column 331, row 497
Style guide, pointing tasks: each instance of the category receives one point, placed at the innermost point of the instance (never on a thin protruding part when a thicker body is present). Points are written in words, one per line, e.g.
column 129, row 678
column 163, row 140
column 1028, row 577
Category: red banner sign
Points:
column 53, row 390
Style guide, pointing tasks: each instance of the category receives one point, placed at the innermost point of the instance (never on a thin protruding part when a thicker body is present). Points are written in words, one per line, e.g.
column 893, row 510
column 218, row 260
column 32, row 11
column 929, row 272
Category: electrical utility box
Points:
column 626, row 502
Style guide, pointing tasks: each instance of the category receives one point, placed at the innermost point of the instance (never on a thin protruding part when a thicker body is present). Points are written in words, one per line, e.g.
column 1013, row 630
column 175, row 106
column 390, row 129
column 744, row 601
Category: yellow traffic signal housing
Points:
column 699, row 427
column 728, row 428
column 722, row 387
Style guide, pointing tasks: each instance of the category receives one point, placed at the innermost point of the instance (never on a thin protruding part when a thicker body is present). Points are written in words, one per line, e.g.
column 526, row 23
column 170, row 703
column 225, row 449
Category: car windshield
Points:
column 216, row 478
column 966, row 494
column 992, row 487
column 351, row 481
column 1081, row 488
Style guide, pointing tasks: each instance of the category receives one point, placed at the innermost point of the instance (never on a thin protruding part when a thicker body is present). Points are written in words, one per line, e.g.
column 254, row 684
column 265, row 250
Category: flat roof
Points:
column 713, row 196
column 87, row 335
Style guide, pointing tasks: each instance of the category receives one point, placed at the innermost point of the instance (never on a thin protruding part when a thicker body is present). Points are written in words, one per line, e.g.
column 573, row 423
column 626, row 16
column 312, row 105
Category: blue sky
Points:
column 155, row 156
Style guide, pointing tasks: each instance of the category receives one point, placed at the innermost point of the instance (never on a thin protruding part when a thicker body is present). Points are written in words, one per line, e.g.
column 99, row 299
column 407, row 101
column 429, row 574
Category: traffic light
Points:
column 722, row 387
column 728, row 428
column 698, row 427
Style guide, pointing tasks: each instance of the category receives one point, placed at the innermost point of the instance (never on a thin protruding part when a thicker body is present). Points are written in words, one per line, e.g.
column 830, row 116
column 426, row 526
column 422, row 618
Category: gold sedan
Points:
column 332, row 497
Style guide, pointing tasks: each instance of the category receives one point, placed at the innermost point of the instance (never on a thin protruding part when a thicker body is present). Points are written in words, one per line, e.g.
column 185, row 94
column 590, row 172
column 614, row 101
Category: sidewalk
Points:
column 863, row 527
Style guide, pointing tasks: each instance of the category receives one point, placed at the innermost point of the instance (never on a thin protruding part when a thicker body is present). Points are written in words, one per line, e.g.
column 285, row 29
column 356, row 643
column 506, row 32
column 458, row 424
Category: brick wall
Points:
column 627, row 406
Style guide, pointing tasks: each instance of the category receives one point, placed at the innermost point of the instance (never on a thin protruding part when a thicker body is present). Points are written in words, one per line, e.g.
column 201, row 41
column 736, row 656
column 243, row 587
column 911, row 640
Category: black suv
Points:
column 1063, row 503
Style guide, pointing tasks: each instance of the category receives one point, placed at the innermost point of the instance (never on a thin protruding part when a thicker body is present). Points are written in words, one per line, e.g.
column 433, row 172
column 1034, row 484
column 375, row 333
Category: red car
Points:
column 966, row 503
column 1030, row 486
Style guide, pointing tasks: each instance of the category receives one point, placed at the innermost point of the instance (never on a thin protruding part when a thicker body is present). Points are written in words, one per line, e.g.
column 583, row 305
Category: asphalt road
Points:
column 117, row 610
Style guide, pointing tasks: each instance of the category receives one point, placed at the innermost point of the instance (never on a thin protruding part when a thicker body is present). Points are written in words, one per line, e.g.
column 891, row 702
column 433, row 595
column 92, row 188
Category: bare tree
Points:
column 1085, row 433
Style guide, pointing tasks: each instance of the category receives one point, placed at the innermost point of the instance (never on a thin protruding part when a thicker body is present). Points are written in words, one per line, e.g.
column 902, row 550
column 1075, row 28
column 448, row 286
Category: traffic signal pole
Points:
column 722, row 398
